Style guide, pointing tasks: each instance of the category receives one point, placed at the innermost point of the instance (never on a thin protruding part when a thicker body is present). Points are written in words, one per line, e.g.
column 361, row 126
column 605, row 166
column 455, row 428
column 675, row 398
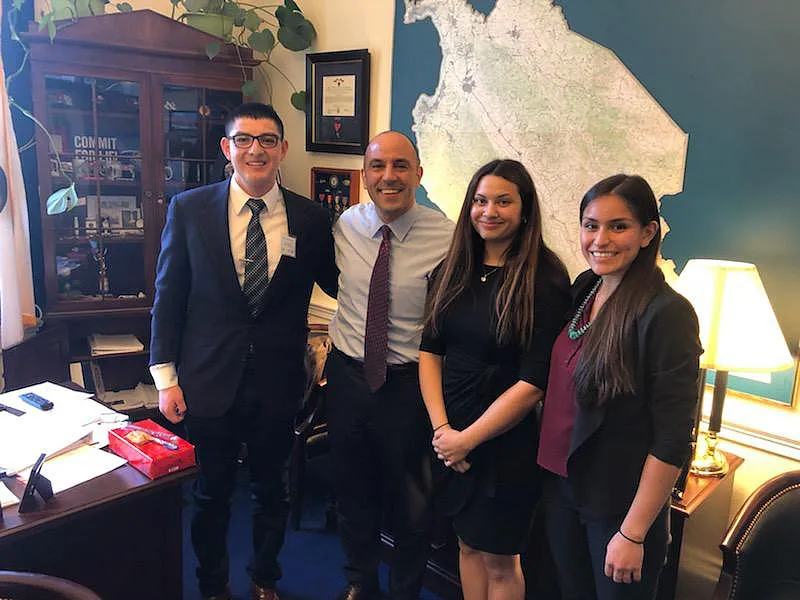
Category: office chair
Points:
column 759, row 550
column 311, row 432
column 34, row 586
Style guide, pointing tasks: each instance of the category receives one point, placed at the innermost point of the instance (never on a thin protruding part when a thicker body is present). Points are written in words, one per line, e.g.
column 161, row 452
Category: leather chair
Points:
column 311, row 432
column 34, row 586
column 759, row 550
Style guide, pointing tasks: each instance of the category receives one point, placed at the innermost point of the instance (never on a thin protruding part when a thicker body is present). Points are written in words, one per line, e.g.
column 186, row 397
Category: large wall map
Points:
column 520, row 84
column 578, row 91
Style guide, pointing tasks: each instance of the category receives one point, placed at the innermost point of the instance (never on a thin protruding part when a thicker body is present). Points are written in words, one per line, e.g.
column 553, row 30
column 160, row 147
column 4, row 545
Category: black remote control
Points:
column 37, row 401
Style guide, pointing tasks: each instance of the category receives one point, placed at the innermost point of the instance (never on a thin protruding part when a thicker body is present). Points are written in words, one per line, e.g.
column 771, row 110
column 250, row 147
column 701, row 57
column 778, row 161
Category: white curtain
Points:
column 16, row 283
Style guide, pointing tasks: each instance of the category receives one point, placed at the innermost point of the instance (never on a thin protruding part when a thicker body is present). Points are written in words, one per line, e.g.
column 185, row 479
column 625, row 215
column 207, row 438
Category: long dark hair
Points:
column 513, row 311
column 606, row 366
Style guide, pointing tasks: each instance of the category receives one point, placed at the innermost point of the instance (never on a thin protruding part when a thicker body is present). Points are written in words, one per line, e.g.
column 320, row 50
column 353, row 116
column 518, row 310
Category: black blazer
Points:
column 609, row 444
column 200, row 317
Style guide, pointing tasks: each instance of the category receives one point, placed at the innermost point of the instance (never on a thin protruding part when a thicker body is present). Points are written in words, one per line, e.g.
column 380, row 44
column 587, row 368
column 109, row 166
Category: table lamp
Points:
column 739, row 332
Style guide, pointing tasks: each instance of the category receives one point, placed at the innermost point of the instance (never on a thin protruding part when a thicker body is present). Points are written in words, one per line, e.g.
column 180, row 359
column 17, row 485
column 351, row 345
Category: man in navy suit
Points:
column 237, row 265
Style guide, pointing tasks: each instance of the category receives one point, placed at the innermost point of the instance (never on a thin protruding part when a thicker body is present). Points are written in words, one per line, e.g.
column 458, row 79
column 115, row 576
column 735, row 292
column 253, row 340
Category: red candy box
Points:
column 151, row 449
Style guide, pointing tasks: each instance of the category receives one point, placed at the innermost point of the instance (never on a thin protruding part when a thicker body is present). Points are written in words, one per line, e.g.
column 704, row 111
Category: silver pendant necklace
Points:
column 487, row 272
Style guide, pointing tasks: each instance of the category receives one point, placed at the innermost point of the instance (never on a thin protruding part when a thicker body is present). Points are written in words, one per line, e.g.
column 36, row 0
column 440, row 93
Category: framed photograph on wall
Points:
column 337, row 105
column 335, row 189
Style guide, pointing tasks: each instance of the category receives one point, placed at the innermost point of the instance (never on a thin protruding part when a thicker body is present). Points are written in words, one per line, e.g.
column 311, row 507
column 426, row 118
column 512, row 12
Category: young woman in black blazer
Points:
column 619, row 405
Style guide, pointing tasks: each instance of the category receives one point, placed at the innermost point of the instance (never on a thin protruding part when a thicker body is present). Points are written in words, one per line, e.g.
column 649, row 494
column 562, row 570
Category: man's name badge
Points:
column 289, row 246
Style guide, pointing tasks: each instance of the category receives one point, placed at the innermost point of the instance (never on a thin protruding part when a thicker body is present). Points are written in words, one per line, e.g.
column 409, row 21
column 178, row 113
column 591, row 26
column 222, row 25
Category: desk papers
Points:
column 100, row 344
column 7, row 498
column 68, row 470
column 74, row 419
column 77, row 466
column 62, row 433
column 21, row 442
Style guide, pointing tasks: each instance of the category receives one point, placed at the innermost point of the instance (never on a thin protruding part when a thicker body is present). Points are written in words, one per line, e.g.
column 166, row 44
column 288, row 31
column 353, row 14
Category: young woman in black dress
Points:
column 620, row 403
column 496, row 305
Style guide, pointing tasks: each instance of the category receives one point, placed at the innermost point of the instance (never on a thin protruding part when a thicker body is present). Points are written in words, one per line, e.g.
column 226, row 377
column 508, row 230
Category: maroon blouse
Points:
column 560, row 407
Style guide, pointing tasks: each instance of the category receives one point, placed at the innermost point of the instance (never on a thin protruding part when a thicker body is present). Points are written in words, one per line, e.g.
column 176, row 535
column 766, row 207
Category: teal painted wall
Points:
column 727, row 72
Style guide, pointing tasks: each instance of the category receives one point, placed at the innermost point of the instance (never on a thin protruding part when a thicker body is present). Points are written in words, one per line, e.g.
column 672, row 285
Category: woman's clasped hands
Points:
column 451, row 447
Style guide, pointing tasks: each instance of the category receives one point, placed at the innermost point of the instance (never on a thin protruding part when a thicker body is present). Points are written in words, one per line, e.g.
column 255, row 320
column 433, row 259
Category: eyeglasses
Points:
column 245, row 140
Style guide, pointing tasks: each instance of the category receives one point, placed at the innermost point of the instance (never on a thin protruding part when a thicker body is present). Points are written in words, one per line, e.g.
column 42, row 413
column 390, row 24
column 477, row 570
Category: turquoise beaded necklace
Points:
column 574, row 333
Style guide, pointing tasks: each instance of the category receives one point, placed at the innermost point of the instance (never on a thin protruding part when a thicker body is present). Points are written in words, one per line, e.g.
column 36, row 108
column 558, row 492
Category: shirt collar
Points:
column 239, row 197
column 399, row 227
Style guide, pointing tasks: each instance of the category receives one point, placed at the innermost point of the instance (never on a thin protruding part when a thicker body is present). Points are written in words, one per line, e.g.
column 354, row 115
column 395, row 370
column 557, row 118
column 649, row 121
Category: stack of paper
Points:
column 76, row 466
column 21, row 445
column 100, row 344
column 75, row 418
column 68, row 470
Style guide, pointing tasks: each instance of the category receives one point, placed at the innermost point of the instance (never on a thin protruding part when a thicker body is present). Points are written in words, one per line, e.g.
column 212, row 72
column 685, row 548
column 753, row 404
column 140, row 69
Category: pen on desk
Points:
column 167, row 437
column 147, row 436
column 165, row 443
column 11, row 410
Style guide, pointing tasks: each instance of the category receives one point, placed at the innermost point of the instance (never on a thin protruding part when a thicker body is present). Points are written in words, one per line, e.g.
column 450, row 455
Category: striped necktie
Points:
column 376, row 331
column 256, row 274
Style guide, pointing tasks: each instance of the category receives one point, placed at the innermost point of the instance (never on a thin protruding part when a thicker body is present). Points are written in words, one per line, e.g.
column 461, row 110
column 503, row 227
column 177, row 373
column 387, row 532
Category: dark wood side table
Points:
column 119, row 534
column 699, row 521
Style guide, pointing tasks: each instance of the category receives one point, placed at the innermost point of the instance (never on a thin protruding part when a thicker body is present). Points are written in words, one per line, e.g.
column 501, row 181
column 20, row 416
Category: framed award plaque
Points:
column 337, row 102
column 335, row 189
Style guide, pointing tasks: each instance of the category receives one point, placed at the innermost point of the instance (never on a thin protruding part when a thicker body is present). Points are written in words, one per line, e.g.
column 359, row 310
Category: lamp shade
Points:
column 738, row 328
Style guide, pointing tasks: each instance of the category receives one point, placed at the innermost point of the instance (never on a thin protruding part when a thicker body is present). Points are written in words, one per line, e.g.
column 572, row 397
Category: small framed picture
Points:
column 111, row 208
column 335, row 189
column 129, row 218
column 337, row 102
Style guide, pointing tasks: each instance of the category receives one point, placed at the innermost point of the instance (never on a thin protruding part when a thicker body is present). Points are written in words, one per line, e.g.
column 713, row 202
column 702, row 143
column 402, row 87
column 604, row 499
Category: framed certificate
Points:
column 337, row 109
column 335, row 189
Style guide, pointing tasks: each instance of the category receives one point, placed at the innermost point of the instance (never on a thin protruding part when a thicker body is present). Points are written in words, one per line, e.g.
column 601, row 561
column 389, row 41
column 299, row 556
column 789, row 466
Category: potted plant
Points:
column 65, row 11
column 260, row 28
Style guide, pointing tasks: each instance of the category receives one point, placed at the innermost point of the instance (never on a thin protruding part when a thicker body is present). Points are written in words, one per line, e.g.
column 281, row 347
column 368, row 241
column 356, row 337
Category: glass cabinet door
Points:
column 193, row 121
column 99, row 244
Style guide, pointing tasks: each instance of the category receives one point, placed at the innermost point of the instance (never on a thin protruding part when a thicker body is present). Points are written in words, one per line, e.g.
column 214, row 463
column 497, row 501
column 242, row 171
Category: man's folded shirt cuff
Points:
column 164, row 375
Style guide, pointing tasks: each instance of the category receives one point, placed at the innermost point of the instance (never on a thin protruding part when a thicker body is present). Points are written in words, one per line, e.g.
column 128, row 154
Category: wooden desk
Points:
column 119, row 534
column 699, row 521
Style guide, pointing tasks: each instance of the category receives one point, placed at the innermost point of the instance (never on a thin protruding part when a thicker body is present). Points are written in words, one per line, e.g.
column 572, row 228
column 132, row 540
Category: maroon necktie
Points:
column 376, row 332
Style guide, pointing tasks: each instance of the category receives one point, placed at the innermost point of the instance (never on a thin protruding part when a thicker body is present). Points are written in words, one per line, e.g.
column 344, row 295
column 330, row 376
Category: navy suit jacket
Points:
column 200, row 319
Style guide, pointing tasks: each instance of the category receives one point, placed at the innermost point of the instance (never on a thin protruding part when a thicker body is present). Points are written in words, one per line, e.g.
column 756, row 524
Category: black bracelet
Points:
column 440, row 426
column 631, row 540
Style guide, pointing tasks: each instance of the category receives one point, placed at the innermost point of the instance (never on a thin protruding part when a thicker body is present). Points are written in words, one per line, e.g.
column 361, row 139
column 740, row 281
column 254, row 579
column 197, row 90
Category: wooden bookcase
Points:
column 136, row 111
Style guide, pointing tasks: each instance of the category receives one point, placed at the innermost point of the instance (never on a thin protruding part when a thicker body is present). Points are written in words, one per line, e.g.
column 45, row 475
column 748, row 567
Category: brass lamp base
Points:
column 708, row 461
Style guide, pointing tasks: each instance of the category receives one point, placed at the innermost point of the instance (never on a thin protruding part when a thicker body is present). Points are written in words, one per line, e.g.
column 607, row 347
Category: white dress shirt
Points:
column 275, row 225
column 420, row 239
